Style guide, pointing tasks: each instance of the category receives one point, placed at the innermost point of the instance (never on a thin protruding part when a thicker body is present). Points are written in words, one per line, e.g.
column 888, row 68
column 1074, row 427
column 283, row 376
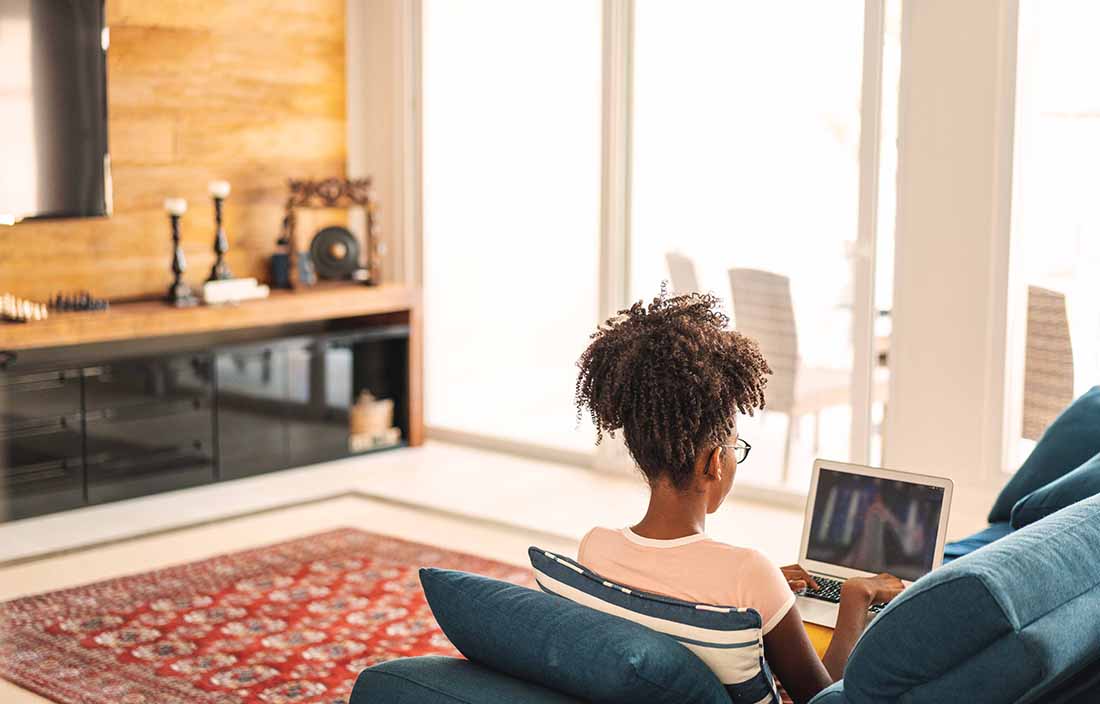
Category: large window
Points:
column 511, row 134
column 747, row 150
column 1056, row 220
column 746, row 182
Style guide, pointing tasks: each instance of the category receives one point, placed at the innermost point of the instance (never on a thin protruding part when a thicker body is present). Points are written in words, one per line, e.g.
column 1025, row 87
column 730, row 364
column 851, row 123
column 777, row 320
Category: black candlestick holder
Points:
column 220, row 270
column 179, row 293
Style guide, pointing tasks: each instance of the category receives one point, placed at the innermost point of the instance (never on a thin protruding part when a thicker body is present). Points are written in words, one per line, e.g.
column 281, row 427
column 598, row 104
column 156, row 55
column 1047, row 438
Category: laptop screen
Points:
column 875, row 525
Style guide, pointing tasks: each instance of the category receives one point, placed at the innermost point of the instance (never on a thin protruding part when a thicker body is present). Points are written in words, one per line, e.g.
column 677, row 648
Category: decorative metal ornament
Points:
column 220, row 270
column 179, row 293
column 335, row 253
column 329, row 193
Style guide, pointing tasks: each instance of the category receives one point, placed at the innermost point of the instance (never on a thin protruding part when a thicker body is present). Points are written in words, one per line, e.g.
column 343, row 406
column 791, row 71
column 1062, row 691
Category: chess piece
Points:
column 179, row 293
column 80, row 302
column 20, row 310
column 219, row 190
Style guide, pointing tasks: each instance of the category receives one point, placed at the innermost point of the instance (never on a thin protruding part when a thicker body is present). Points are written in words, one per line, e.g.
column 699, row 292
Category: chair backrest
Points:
column 681, row 271
column 764, row 311
column 1048, row 362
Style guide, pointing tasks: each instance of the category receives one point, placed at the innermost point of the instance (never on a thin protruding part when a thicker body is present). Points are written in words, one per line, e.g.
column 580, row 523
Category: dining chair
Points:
column 681, row 270
column 764, row 311
column 1048, row 360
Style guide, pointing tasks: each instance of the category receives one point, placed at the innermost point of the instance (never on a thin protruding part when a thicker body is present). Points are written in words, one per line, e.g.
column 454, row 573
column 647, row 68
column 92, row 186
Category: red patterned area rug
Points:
column 288, row 623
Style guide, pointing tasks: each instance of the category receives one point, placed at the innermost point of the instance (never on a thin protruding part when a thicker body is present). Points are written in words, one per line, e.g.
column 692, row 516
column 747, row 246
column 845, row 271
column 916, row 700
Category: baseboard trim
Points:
column 483, row 521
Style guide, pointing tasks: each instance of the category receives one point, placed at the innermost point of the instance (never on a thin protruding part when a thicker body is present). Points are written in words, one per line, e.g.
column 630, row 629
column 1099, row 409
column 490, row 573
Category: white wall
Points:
column 383, row 55
column 946, row 410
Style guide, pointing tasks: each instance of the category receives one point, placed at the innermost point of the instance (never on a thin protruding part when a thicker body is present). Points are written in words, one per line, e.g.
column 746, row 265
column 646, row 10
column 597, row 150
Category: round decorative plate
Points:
column 335, row 253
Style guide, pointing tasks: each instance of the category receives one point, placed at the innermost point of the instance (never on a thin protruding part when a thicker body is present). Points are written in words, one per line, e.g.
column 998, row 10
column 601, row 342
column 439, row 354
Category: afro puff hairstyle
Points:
column 672, row 377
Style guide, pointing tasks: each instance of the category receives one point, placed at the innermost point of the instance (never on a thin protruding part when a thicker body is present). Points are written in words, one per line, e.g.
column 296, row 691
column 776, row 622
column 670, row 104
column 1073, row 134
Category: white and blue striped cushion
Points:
column 728, row 639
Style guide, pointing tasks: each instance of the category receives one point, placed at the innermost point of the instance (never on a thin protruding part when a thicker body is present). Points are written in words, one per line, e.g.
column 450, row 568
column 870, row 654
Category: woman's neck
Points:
column 672, row 513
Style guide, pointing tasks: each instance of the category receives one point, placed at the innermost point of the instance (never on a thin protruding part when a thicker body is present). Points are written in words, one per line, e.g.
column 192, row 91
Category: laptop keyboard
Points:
column 829, row 590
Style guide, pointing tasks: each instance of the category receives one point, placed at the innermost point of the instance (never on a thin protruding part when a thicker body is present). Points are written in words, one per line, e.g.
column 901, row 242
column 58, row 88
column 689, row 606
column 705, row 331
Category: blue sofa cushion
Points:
column 1081, row 483
column 728, row 639
column 1010, row 622
column 564, row 646
column 1072, row 438
column 967, row 545
column 437, row 680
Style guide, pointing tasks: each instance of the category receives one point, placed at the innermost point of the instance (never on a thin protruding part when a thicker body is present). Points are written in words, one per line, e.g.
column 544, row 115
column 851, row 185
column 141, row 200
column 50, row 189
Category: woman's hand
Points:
column 880, row 589
column 798, row 579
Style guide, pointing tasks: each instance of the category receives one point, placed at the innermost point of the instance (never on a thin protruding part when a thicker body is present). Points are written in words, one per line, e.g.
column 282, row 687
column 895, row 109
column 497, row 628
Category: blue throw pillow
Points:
column 563, row 646
column 964, row 546
column 1072, row 438
column 728, row 639
column 1081, row 483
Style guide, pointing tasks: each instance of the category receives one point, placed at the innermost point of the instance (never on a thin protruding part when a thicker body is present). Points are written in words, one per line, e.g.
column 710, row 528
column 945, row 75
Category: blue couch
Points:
column 1017, row 621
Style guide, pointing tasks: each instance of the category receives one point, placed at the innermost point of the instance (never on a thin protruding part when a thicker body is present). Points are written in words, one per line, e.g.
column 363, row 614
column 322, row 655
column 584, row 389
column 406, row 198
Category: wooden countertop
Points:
column 143, row 319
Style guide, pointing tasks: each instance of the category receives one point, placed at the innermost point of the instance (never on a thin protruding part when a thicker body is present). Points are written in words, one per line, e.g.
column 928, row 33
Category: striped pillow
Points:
column 726, row 638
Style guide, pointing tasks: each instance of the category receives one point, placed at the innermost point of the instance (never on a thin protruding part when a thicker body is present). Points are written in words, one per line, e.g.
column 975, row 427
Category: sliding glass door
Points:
column 511, row 140
column 576, row 155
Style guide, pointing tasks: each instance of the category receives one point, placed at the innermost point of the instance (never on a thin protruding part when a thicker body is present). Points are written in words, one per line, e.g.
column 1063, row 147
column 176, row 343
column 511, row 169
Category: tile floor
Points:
column 452, row 480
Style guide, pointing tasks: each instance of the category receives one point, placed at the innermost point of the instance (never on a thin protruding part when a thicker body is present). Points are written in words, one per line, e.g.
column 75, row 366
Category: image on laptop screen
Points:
column 875, row 525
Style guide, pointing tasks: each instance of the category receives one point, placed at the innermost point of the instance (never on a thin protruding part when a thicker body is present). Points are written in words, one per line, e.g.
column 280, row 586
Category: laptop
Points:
column 861, row 521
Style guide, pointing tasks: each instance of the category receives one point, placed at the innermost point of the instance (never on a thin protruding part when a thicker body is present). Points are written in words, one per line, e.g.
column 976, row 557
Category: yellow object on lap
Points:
column 820, row 636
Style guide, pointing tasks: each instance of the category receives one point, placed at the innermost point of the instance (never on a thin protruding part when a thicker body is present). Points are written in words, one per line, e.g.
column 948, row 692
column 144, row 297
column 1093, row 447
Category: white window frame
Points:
column 950, row 408
column 1008, row 317
column 1010, row 214
column 617, row 146
column 864, row 308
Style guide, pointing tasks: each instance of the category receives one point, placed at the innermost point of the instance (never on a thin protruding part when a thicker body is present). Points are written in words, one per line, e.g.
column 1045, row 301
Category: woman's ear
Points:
column 714, row 464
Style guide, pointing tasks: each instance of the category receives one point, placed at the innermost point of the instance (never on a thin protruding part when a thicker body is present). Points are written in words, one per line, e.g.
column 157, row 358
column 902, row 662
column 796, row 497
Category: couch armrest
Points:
column 833, row 694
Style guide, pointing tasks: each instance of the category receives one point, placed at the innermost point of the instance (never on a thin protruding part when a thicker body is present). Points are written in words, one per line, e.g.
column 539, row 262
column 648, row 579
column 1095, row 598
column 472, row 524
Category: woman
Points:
column 673, row 378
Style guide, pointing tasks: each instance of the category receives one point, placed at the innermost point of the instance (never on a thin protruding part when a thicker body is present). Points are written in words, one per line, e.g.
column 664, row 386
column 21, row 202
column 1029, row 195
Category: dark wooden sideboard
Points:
column 143, row 398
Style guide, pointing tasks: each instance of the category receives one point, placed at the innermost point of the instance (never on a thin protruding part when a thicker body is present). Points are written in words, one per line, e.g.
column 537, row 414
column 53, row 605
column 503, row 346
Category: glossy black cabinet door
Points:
column 41, row 445
column 252, row 392
column 149, row 425
column 327, row 375
column 178, row 380
column 314, row 434
column 126, row 472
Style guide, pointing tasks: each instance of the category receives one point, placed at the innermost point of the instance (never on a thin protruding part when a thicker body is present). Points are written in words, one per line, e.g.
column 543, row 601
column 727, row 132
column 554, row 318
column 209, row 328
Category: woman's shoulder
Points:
column 601, row 531
column 596, row 537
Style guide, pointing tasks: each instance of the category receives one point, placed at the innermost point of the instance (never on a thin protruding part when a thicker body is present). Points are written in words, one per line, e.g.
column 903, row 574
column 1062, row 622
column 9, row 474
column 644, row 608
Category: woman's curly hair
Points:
column 672, row 377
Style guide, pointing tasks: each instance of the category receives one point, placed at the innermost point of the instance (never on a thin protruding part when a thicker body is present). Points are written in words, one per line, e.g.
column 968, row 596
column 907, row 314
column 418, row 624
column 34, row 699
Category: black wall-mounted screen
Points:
column 53, row 109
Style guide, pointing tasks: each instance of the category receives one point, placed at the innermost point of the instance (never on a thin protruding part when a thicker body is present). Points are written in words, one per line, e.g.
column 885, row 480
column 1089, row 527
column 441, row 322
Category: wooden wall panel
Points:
column 251, row 91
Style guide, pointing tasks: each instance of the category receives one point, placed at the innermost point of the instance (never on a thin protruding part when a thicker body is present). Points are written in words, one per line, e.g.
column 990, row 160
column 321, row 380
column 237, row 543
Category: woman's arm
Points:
column 855, row 598
column 792, row 657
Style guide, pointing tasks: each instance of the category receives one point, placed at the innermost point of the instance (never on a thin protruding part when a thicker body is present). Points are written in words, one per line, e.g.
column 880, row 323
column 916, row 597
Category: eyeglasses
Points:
column 740, row 450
